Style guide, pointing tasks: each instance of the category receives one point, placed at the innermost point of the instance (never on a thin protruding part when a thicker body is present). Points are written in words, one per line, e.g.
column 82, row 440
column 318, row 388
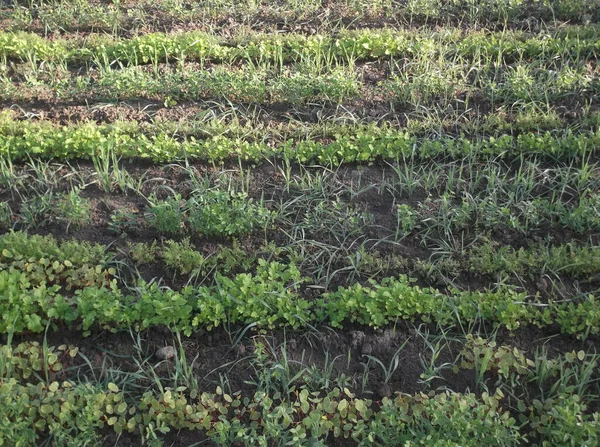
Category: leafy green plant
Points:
column 29, row 359
column 483, row 356
column 142, row 253
column 352, row 145
column 182, row 257
column 406, row 221
column 44, row 261
column 73, row 209
column 443, row 419
column 219, row 213
column 166, row 216
column 577, row 261
column 563, row 421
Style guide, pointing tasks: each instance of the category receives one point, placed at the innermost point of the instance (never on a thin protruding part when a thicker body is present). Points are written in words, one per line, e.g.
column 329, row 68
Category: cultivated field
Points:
column 300, row 222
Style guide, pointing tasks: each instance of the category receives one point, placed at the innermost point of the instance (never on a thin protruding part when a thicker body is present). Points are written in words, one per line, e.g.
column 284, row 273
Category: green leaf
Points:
column 360, row 405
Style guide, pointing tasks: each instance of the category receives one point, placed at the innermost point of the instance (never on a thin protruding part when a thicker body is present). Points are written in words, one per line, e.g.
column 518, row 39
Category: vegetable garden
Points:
column 304, row 223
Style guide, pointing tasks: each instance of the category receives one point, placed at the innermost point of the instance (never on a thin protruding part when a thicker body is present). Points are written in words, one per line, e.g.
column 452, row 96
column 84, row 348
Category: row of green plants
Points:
column 412, row 86
column 37, row 406
column 577, row 262
column 575, row 42
column 230, row 215
column 252, row 128
column 446, row 215
column 271, row 297
column 210, row 213
column 240, row 86
column 46, row 262
column 87, row 139
column 83, row 15
column 75, row 414
column 70, row 210
column 223, row 213
column 568, row 260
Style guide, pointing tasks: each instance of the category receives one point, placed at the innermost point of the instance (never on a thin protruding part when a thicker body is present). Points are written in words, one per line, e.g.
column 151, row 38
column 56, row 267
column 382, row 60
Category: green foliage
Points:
column 300, row 88
column 29, row 358
column 45, row 261
column 23, row 307
column 348, row 45
column 182, row 257
column 33, row 277
column 406, row 220
column 221, row 213
column 211, row 213
column 232, row 259
column 142, row 253
column 71, row 414
column 570, row 259
column 578, row 318
column 563, row 421
column 502, row 361
column 102, row 307
column 73, row 209
column 87, row 139
column 37, row 211
column 5, row 216
column 444, row 419
column 166, row 215
column 269, row 298
column 76, row 414
column 377, row 305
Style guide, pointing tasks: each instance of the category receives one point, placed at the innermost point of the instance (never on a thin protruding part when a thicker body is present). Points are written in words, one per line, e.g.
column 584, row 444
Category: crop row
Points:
column 76, row 413
column 222, row 214
column 441, row 215
column 83, row 141
column 63, row 16
column 413, row 85
column 575, row 42
column 72, row 412
column 271, row 298
column 226, row 215
column 252, row 128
